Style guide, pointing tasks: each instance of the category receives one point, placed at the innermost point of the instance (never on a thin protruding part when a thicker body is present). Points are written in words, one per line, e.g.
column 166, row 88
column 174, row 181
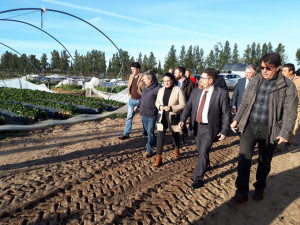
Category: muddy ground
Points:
column 83, row 174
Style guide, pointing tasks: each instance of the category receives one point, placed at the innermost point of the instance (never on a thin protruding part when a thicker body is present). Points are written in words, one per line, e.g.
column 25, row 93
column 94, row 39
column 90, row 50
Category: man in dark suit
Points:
column 240, row 88
column 209, row 108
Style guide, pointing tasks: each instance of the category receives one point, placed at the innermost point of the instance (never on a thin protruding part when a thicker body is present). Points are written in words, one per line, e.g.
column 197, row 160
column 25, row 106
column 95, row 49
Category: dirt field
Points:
column 82, row 174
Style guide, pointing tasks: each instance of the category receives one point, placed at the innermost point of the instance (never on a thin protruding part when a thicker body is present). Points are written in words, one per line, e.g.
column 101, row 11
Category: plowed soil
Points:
column 83, row 174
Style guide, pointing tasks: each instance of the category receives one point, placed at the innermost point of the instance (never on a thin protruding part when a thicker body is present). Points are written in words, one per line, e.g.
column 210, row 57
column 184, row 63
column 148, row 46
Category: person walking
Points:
column 148, row 110
column 266, row 117
column 170, row 101
column 209, row 108
column 135, row 88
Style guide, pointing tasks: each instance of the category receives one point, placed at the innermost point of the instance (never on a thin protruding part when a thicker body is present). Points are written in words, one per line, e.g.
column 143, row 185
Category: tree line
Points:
column 94, row 62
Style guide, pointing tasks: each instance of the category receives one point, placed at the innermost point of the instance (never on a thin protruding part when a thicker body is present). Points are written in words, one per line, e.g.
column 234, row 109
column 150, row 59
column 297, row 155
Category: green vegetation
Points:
column 116, row 89
column 11, row 99
column 71, row 88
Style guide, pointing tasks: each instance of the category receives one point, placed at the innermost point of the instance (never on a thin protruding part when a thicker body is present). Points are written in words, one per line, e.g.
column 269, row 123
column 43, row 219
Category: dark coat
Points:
column 220, row 82
column 238, row 93
column 218, row 111
column 146, row 104
column 187, row 88
column 283, row 101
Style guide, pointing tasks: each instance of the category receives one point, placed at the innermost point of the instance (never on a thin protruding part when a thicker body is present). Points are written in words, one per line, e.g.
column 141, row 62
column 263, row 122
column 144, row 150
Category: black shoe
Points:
column 123, row 137
column 148, row 154
column 258, row 195
column 240, row 198
column 197, row 184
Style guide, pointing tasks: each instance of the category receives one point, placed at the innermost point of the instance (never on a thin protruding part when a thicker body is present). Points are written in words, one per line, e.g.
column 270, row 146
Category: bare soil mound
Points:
column 83, row 174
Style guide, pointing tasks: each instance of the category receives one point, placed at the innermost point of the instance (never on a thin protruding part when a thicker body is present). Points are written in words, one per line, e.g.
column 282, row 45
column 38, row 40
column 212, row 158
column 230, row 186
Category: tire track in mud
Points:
column 119, row 187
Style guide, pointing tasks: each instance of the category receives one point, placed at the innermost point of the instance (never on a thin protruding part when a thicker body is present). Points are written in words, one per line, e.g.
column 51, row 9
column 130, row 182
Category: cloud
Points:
column 137, row 20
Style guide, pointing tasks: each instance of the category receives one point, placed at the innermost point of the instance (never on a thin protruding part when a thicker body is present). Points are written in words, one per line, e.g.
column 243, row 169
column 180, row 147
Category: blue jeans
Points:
column 130, row 113
column 149, row 125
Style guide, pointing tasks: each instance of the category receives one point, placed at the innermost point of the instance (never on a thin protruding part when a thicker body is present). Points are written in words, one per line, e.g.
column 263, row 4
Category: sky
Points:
column 150, row 26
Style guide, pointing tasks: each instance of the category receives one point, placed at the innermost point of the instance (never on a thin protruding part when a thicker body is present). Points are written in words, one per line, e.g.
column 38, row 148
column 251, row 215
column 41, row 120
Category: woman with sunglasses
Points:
column 170, row 101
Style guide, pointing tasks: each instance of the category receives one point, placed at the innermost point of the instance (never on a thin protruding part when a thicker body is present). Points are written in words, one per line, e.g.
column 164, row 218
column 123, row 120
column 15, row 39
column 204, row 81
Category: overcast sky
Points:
column 145, row 26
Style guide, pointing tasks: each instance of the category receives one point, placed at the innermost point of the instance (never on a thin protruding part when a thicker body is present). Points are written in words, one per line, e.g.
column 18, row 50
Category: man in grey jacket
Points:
column 265, row 117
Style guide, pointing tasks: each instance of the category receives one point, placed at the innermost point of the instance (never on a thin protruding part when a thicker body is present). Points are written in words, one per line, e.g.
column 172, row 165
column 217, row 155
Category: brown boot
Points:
column 158, row 161
column 177, row 154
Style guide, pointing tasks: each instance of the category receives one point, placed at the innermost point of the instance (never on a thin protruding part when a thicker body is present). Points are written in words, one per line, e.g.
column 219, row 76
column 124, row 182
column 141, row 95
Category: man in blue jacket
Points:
column 148, row 110
column 240, row 88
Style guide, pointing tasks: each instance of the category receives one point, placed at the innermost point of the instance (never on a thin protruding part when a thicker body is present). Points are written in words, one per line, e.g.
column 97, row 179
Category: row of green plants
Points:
column 21, row 110
column 16, row 100
column 116, row 89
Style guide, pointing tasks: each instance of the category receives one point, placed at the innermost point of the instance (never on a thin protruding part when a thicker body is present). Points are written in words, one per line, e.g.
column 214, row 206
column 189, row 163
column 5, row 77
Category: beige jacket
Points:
column 140, row 83
column 177, row 101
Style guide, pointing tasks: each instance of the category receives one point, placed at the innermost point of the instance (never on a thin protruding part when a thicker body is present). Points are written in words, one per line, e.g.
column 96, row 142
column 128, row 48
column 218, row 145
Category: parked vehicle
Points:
column 231, row 79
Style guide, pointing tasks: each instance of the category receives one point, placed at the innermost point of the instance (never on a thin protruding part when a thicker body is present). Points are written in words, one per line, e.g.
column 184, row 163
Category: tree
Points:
column 35, row 62
column 199, row 63
column 281, row 51
column 264, row 49
column 270, row 47
column 253, row 55
column 189, row 59
column 235, row 54
column 55, row 60
column 64, row 61
column 181, row 56
column 171, row 60
column 145, row 65
column 44, row 63
column 152, row 62
column 159, row 69
column 23, row 63
column 210, row 59
column 247, row 55
column 298, row 56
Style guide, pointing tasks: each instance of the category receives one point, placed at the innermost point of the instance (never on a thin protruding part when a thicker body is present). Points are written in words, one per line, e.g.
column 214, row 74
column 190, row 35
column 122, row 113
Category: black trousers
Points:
column 254, row 133
column 204, row 142
column 161, row 139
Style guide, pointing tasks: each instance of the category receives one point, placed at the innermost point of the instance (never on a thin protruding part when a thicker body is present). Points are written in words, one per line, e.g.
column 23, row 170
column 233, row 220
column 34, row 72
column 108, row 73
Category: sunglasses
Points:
column 267, row 68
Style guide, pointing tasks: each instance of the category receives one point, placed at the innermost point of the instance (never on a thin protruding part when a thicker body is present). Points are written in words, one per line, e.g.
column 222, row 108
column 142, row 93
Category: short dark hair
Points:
column 291, row 66
column 181, row 69
column 136, row 65
column 170, row 75
column 272, row 58
column 213, row 73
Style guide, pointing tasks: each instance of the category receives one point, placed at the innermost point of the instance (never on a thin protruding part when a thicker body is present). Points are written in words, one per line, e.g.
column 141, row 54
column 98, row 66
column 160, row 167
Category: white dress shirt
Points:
column 204, row 116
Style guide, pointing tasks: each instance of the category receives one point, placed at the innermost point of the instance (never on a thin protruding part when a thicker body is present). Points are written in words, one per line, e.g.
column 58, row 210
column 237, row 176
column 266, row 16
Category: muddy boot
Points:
column 176, row 152
column 158, row 161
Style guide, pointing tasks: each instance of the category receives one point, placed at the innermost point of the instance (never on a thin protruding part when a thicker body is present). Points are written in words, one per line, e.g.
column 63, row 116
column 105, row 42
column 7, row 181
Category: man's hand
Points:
column 222, row 137
column 281, row 140
column 135, row 108
column 234, row 126
column 233, row 110
column 180, row 124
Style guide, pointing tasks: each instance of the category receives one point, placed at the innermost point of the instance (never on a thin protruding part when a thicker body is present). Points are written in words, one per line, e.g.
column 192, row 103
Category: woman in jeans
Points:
column 170, row 101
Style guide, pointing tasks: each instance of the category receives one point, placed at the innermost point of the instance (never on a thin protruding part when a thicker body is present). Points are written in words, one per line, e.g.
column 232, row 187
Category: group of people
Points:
column 265, row 108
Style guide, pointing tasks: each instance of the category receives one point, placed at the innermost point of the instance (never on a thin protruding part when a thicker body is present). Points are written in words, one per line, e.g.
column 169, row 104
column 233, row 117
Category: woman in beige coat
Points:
column 169, row 102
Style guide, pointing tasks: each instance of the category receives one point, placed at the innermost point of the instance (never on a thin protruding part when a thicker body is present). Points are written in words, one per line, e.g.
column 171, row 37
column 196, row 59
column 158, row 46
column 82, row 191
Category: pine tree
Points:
column 44, row 63
column 281, row 51
column 235, row 54
column 247, row 55
column 55, row 60
column 270, row 47
column 171, row 60
column 298, row 56
column 152, row 62
column 182, row 56
column 189, row 59
column 264, row 49
column 210, row 59
column 159, row 69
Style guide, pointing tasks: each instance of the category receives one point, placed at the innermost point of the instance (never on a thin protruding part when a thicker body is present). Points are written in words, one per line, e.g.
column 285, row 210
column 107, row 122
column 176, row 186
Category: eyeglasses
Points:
column 267, row 68
column 204, row 78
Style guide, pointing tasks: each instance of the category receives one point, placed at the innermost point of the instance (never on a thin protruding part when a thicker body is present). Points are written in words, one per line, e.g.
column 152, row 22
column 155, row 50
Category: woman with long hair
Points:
column 170, row 101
